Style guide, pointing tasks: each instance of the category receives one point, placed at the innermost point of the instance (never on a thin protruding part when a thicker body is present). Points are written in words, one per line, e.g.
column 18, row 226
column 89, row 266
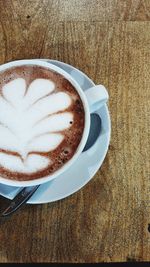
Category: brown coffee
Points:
column 41, row 122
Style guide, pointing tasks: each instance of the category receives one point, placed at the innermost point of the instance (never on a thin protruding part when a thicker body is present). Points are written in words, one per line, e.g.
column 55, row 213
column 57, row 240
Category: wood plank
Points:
column 29, row 12
column 108, row 219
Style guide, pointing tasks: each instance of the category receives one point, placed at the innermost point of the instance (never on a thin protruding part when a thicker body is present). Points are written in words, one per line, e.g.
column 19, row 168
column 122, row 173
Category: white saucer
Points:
column 84, row 168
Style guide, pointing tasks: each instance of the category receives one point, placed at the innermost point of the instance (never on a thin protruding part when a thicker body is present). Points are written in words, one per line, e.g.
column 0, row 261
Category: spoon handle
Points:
column 20, row 199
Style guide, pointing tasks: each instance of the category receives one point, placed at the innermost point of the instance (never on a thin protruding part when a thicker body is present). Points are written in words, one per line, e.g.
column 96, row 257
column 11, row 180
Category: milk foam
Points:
column 33, row 163
column 30, row 122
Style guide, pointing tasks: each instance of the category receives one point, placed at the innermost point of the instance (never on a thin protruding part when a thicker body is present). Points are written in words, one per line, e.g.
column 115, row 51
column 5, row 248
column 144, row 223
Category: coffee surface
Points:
column 41, row 122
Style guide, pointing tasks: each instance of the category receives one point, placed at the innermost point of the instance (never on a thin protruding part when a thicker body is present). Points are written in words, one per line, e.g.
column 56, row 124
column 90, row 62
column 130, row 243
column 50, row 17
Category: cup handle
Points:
column 96, row 96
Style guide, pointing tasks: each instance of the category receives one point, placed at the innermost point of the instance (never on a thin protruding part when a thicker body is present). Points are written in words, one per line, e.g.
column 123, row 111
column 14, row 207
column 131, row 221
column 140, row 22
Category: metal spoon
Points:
column 25, row 194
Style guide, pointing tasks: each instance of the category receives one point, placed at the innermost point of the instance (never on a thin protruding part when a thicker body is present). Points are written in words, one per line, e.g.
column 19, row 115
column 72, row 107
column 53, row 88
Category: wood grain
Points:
column 108, row 219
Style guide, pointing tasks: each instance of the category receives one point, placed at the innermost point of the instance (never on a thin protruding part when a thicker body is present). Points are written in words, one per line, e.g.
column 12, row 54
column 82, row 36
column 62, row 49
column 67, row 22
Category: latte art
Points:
column 29, row 124
column 40, row 113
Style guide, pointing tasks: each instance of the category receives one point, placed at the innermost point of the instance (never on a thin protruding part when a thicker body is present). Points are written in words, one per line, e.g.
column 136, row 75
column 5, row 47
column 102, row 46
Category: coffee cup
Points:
column 92, row 99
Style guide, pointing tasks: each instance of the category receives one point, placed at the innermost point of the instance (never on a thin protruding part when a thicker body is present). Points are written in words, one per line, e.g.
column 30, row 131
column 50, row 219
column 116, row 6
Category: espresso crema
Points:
column 41, row 122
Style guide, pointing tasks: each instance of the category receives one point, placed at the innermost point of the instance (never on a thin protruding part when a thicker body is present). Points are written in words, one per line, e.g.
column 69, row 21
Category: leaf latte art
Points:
column 39, row 115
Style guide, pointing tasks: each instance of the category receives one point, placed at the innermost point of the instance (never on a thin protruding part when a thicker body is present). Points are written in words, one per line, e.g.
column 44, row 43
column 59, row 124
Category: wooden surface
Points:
column 108, row 219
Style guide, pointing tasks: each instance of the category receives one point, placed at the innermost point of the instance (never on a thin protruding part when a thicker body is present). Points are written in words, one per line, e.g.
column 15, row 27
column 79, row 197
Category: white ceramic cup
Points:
column 92, row 100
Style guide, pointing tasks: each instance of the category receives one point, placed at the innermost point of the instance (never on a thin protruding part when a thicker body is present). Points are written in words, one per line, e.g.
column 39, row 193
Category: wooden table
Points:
column 107, row 220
